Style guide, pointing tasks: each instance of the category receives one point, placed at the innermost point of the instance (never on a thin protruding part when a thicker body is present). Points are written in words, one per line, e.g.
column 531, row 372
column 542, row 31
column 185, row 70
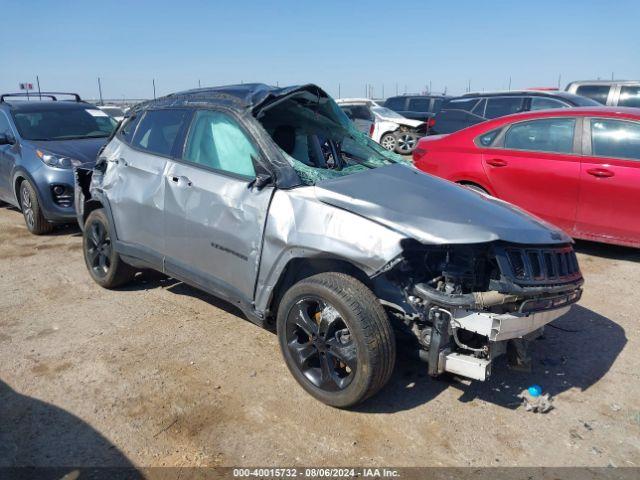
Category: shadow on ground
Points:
column 612, row 252
column 576, row 351
column 71, row 229
column 36, row 437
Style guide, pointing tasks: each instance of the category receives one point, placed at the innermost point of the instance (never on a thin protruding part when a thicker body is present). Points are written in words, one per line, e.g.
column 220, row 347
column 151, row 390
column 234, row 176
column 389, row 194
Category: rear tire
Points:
column 388, row 141
column 30, row 206
column 104, row 264
column 336, row 339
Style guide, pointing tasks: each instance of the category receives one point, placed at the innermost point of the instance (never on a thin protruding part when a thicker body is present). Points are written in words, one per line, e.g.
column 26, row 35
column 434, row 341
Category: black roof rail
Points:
column 51, row 95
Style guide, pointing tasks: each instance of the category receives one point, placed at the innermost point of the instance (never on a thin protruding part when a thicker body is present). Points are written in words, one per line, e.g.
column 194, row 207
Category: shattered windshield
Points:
column 319, row 140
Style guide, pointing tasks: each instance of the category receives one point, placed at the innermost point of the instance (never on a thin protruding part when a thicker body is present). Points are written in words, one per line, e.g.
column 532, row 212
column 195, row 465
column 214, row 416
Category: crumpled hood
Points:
column 432, row 210
column 84, row 150
column 403, row 121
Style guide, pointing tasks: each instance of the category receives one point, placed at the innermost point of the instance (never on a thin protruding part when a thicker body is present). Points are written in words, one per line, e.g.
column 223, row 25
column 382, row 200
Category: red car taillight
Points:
column 418, row 153
column 431, row 122
column 371, row 128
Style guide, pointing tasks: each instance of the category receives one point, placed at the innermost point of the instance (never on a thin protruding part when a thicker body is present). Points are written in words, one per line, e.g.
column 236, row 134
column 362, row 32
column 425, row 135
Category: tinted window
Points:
column 129, row 127
column 217, row 141
column 465, row 104
column 4, row 123
column 629, row 97
column 419, row 105
column 541, row 103
column 479, row 108
column 488, row 138
column 64, row 123
column 395, row 103
column 360, row 112
column 437, row 105
column 158, row 130
column 599, row 93
column 113, row 111
column 499, row 107
column 549, row 135
column 615, row 138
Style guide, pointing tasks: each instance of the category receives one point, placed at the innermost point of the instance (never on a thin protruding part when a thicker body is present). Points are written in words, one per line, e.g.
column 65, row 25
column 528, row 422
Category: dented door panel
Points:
column 214, row 227
column 134, row 185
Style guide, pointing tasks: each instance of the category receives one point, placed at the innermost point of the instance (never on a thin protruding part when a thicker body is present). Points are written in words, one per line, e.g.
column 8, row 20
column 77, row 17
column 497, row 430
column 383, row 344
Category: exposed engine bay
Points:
column 464, row 305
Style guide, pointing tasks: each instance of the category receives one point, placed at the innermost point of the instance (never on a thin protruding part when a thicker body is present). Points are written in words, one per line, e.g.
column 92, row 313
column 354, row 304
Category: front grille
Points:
column 548, row 265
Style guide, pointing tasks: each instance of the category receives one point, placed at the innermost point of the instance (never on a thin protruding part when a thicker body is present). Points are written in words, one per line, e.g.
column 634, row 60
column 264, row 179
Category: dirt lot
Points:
column 161, row 374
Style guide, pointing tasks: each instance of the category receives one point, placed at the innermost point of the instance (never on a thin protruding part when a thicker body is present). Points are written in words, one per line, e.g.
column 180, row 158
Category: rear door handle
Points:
column 117, row 161
column 497, row 162
column 600, row 172
column 180, row 180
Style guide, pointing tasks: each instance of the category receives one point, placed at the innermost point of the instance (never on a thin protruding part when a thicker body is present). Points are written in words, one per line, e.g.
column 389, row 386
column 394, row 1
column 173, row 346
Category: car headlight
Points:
column 58, row 161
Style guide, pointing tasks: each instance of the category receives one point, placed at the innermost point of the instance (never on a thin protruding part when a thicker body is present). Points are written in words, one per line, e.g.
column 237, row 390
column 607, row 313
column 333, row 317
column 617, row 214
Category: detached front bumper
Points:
column 500, row 329
column 506, row 326
column 465, row 342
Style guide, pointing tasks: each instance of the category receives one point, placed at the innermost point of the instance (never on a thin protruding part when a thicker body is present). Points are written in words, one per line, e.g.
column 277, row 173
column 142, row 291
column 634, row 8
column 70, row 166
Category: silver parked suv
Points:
column 615, row 93
column 271, row 199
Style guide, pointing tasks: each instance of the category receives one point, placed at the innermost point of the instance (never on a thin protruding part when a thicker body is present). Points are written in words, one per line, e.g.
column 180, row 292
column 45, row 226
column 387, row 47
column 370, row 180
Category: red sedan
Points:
column 578, row 168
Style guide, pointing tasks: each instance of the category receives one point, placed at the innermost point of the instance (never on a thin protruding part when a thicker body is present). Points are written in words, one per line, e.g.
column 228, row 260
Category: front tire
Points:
column 104, row 264
column 336, row 339
column 406, row 143
column 30, row 206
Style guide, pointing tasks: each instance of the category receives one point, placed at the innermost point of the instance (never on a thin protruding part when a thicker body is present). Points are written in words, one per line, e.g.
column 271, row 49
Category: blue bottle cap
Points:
column 535, row 390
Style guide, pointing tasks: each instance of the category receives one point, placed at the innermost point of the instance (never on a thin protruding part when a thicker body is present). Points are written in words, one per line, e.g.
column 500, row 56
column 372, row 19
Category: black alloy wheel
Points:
column 320, row 344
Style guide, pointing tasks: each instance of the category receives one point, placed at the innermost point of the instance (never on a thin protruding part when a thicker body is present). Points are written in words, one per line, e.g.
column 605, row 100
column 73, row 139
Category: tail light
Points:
column 371, row 128
column 418, row 153
column 431, row 122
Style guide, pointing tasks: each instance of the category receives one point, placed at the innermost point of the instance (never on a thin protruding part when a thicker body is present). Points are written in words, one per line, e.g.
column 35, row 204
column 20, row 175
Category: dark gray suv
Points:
column 271, row 199
column 40, row 143
column 472, row 108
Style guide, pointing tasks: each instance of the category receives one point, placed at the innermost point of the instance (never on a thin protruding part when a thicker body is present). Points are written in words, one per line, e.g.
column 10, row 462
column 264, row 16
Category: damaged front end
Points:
column 464, row 305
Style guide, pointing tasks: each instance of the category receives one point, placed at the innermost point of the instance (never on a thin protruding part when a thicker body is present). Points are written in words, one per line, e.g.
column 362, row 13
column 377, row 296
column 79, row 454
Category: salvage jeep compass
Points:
column 271, row 199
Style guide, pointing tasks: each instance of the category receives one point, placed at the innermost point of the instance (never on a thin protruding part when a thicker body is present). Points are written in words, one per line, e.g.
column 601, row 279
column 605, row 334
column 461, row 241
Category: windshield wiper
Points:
column 79, row 137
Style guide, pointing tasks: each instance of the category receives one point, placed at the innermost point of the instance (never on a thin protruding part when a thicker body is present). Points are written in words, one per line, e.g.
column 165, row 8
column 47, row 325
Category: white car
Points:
column 388, row 128
column 113, row 111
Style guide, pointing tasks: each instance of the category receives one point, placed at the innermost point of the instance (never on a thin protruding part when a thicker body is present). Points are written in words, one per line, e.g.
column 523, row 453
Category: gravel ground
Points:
column 159, row 373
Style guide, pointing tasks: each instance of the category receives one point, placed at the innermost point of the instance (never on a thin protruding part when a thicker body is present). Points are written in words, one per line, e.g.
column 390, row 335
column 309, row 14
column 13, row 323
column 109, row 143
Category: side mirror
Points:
column 7, row 139
column 261, row 181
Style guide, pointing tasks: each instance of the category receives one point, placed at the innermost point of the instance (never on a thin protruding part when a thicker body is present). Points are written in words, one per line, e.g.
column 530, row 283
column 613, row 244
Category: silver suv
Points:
column 271, row 199
column 616, row 93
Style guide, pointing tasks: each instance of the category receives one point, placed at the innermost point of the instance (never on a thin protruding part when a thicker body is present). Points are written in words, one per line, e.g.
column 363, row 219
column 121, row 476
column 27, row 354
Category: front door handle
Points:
column 497, row 162
column 600, row 172
column 180, row 180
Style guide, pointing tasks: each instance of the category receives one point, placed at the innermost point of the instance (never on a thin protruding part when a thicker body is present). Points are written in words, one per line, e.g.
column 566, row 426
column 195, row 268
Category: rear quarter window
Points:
column 486, row 139
column 128, row 128
column 158, row 130
column 464, row 104
column 396, row 103
column 599, row 93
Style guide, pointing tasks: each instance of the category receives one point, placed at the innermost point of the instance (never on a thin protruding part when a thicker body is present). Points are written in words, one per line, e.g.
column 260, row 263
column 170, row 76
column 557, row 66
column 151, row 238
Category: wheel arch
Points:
column 299, row 268
column 20, row 176
column 476, row 184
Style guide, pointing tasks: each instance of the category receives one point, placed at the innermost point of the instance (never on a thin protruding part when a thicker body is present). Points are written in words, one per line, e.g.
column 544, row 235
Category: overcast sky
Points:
column 406, row 44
